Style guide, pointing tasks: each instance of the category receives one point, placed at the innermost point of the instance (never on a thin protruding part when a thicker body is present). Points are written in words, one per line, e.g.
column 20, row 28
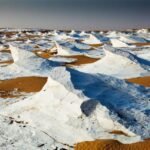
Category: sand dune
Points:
column 145, row 81
column 112, row 145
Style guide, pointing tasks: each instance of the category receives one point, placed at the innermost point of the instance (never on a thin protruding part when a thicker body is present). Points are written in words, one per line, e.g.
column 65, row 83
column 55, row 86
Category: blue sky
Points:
column 75, row 14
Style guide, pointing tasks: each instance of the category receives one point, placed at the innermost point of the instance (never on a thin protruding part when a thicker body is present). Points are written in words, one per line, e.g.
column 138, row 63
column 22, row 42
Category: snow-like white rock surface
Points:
column 86, row 112
column 5, row 56
column 118, row 43
column 62, row 59
column 18, row 134
column 62, row 51
column 117, row 63
column 132, row 40
column 91, row 40
column 80, row 103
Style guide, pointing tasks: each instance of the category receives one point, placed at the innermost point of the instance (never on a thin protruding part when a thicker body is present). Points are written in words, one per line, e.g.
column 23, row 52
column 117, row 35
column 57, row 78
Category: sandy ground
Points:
column 32, row 36
column 23, row 38
column 117, row 132
column 145, row 81
column 21, row 84
column 5, row 50
column 7, row 62
column 9, row 34
column 96, row 45
column 81, row 59
column 112, row 145
column 142, row 44
column 44, row 54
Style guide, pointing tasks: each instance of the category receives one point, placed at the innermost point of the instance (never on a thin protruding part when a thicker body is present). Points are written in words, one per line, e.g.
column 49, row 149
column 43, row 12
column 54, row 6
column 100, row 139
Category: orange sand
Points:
column 44, row 54
column 145, row 81
column 96, row 45
column 7, row 62
column 81, row 59
column 21, row 84
column 118, row 132
column 142, row 44
column 112, row 145
column 5, row 50
column 9, row 33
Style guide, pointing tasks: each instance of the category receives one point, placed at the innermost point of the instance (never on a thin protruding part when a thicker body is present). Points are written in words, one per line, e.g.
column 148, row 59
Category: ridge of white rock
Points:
column 18, row 54
column 112, row 34
column 73, row 117
column 131, row 40
column 27, row 62
column 64, row 37
column 55, row 33
column 91, row 40
column 62, row 51
column 143, row 31
column 117, row 63
column 77, row 103
column 82, row 33
column 1, row 47
column 117, row 43
column 144, row 54
column 72, row 32
column 124, row 53
column 66, row 50
column 28, row 41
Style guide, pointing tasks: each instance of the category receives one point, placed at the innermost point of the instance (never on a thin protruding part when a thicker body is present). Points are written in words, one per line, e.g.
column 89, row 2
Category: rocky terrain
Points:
column 74, row 89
